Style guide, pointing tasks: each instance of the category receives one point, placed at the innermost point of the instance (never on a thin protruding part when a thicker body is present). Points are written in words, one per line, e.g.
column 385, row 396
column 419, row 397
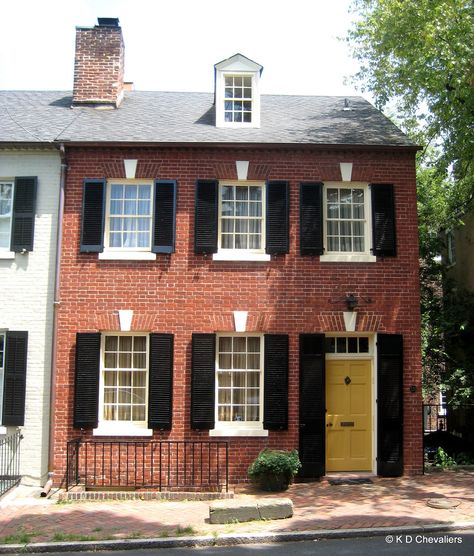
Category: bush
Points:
column 274, row 469
column 441, row 460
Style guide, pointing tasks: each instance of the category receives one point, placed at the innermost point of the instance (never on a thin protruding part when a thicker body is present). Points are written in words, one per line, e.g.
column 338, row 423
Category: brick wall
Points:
column 27, row 302
column 185, row 293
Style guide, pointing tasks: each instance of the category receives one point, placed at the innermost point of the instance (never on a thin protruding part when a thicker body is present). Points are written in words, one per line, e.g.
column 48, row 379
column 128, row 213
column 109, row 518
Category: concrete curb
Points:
column 231, row 539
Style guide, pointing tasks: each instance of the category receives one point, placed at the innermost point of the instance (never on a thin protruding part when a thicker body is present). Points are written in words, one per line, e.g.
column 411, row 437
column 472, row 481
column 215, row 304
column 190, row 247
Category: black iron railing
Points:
column 10, row 461
column 160, row 465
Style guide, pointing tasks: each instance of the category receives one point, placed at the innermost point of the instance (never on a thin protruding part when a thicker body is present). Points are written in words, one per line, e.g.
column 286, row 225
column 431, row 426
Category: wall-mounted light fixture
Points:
column 351, row 301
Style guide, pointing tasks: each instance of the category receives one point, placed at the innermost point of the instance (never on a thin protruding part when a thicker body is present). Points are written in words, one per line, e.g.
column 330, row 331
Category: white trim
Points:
column 225, row 430
column 240, row 320
column 125, row 319
column 348, row 258
column 221, row 74
column 3, row 431
column 127, row 256
column 6, row 255
column 239, row 428
column 351, row 256
column 121, row 428
column 350, row 320
column 127, row 253
column 240, row 255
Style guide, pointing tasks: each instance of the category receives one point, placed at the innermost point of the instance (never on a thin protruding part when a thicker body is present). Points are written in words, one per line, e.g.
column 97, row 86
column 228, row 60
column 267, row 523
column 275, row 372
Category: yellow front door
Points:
column 348, row 415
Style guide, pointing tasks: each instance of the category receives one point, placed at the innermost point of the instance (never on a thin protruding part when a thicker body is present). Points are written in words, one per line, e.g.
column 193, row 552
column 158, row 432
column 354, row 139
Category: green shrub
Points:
column 442, row 460
column 274, row 469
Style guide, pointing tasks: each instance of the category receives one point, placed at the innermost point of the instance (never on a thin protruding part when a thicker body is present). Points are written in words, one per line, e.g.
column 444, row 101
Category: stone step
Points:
column 233, row 511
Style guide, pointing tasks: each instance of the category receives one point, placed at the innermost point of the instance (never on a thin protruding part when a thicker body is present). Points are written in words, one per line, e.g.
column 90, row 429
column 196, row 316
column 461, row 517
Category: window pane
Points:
column 253, row 380
column 239, row 361
column 253, row 361
column 110, row 360
column 240, row 343
column 225, row 361
column 253, row 395
column 111, row 343
column 125, row 396
column 224, row 379
column 139, row 413
column 364, row 345
column 352, row 345
column 253, row 413
column 330, row 345
column 139, row 379
column 238, row 380
column 110, row 395
column 238, row 413
column 341, row 345
column 125, row 378
column 125, row 360
column 224, row 413
column 124, row 413
column 224, row 395
column 125, row 343
column 239, row 397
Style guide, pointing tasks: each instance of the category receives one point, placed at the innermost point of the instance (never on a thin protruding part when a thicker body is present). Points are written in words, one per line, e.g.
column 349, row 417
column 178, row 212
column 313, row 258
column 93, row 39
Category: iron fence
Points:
column 159, row 465
column 10, row 461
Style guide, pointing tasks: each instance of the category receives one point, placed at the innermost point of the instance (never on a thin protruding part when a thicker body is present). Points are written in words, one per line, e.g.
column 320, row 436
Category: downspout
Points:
column 56, row 304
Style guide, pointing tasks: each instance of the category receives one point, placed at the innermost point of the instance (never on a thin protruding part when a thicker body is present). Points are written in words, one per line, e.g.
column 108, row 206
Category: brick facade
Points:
column 292, row 294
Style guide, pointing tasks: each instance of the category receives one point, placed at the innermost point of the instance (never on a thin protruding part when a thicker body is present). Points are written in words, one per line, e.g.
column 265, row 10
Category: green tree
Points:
column 417, row 57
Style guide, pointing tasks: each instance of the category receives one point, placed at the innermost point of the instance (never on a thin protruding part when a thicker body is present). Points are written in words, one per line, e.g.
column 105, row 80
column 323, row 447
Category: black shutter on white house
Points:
column 93, row 216
column 86, row 386
column 23, row 214
column 203, row 379
column 311, row 218
column 383, row 220
column 164, row 222
column 276, row 217
column 206, row 216
column 160, row 382
column 14, row 386
column 389, row 405
column 312, row 418
column 275, row 380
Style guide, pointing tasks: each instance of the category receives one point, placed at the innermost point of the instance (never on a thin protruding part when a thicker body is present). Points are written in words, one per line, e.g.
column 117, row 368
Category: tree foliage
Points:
column 418, row 56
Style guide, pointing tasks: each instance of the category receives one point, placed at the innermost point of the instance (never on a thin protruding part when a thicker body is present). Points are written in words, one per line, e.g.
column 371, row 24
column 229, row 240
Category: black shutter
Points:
column 24, row 208
column 275, row 380
column 15, row 379
column 160, row 384
column 383, row 220
column 86, row 387
column 164, row 224
column 311, row 218
column 389, row 405
column 205, row 221
column 203, row 381
column 312, row 450
column 276, row 218
column 93, row 215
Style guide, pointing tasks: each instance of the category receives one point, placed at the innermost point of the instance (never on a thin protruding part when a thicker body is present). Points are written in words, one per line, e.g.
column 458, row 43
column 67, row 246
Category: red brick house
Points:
column 235, row 267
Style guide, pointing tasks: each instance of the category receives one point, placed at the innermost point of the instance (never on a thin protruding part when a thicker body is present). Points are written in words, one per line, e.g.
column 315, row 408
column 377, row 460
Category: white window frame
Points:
column 225, row 254
column 239, row 428
column 221, row 99
column 3, row 334
column 121, row 428
column 5, row 252
column 127, row 253
column 349, row 256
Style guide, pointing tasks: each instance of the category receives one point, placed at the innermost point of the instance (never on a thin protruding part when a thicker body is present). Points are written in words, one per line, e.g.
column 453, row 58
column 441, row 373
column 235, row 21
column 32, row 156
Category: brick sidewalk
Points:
column 385, row 503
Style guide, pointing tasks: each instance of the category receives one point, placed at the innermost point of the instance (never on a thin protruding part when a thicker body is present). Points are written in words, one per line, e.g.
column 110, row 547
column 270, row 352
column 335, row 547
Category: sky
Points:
column 172, row 45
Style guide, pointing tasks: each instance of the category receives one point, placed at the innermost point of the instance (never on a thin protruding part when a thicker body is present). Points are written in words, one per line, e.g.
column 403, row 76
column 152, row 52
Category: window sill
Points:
column 121, row 429
column 348, row 258
column 127, row 256
column 5, row 255
column 240, row 255
column 223, row 430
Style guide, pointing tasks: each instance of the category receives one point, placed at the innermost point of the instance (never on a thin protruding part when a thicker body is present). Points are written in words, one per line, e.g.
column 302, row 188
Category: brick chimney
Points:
column 99, row 64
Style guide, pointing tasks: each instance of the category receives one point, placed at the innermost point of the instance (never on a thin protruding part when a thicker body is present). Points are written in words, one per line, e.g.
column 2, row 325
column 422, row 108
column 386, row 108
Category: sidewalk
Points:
column 387, row 503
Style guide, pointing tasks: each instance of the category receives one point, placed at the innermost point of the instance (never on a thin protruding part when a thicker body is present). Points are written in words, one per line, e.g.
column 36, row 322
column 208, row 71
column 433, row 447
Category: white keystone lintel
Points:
column 350, row 320
column 346, row 171
column 240, row 321
column 242, row 169
column 125, row 319
column 130, row 168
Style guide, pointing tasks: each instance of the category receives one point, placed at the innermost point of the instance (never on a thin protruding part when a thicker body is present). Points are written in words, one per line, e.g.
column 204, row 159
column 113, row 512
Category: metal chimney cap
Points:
column 108, row 21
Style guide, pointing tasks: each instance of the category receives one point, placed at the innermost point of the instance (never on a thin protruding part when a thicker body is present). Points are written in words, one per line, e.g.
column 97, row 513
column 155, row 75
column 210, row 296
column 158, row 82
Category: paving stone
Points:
column 276, row 508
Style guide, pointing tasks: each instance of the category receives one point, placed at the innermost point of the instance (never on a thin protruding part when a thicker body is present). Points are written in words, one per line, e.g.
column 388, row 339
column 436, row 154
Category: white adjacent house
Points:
column 29, row 201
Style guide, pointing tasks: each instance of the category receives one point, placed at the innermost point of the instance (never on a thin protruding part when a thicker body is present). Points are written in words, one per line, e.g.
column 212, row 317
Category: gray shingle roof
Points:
column 169, row 117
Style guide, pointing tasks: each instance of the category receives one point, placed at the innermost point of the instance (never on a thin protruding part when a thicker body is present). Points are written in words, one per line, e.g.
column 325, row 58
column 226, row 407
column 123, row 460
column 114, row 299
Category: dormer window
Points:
column 238, row 99
column 236, row 95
